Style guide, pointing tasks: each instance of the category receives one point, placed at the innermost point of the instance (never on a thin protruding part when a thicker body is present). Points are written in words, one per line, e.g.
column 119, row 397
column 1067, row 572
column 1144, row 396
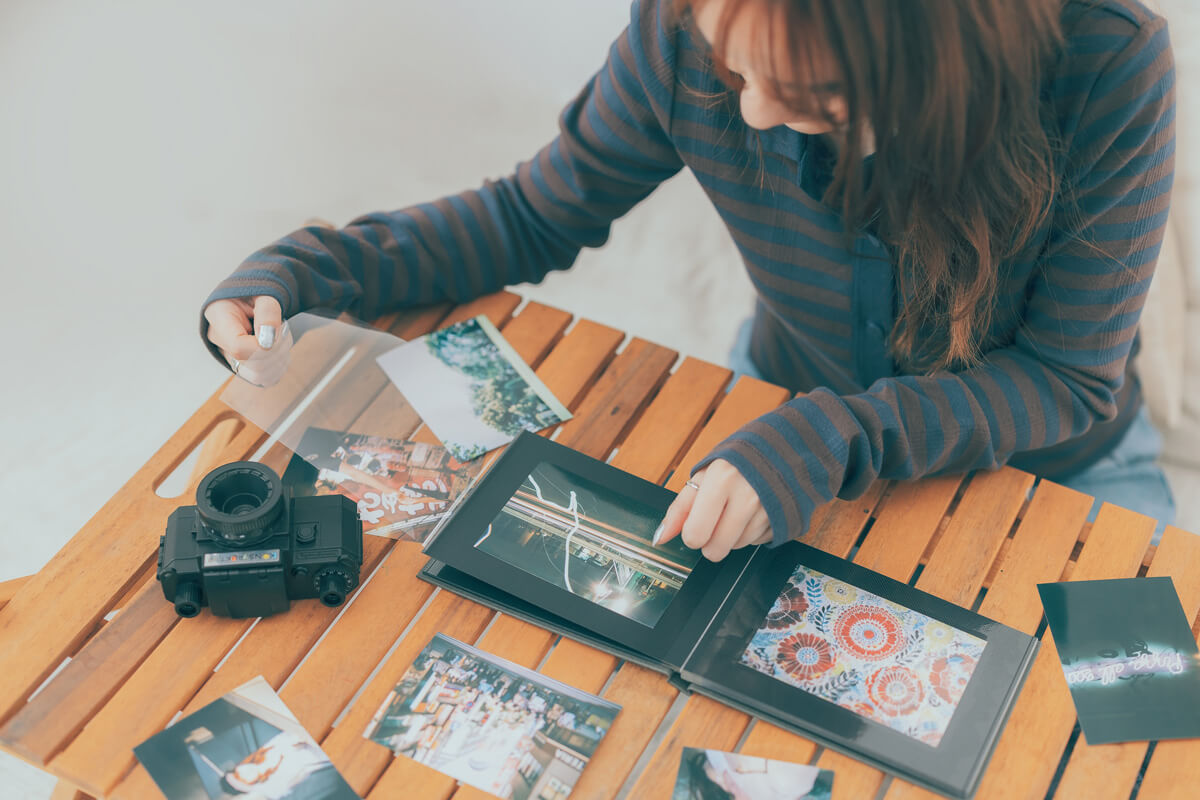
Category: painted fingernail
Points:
column 266, row 336
column 658, row 532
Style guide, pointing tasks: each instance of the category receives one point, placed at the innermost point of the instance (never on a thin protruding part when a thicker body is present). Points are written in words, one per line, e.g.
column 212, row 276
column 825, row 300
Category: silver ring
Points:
column 692, row 484
column 236, row 365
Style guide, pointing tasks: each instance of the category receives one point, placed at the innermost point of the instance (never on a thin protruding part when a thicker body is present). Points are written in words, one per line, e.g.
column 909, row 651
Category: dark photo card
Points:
column 491, row 723
column 864, row 664
column 563, row 532
column 1128, row 656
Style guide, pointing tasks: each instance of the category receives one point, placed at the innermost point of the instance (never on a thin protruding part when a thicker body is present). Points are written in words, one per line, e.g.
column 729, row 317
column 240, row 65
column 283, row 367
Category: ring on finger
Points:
column 692, row 484
column 233, row 362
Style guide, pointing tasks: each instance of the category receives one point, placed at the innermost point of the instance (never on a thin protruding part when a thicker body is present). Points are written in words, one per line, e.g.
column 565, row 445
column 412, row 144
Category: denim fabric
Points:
column 1129, row 476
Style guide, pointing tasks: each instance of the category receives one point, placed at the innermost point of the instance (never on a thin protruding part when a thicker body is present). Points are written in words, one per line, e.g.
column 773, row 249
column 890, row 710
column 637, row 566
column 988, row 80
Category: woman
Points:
column 951, row 213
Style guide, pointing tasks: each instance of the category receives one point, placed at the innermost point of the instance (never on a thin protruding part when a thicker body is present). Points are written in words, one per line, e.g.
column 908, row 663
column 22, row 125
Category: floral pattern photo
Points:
column 885, row 662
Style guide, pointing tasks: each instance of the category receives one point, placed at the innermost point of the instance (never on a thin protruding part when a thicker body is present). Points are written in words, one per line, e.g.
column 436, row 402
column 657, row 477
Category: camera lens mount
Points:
column 240, row 501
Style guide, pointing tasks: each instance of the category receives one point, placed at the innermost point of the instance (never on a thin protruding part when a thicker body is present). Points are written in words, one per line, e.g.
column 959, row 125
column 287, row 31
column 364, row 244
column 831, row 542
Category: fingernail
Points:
column 658, row 532
column 266, row 336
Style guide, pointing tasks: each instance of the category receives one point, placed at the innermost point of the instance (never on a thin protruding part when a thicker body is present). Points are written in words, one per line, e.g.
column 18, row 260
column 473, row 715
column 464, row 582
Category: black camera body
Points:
column 248, row 547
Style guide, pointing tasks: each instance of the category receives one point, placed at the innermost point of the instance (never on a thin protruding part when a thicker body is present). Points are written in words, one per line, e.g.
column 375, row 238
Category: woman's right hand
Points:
column 251, row 335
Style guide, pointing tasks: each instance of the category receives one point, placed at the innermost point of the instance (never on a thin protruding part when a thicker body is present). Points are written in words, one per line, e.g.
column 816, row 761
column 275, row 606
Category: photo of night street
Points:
column 590, row 541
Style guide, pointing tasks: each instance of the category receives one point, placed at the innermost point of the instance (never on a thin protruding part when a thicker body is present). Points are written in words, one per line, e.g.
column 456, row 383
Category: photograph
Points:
column 490, row 723
column 717, row 775
column 402, row 488
column 246, row 745
column 590, row 541
column 1128, row 656
column 887, row 663
column 471, row 388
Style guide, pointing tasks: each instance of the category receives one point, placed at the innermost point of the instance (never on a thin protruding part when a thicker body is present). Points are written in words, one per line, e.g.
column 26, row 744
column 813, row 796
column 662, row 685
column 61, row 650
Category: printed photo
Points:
column 403, row 488
column 716, row 775
column 490, row 723
column 471, row 388
column 590, row 541
column 247, row 744
column 887, row 663
column 1128, row 656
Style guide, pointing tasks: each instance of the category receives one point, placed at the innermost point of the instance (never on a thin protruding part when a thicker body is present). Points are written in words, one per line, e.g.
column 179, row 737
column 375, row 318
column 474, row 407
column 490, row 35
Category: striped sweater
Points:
column 1054, row 397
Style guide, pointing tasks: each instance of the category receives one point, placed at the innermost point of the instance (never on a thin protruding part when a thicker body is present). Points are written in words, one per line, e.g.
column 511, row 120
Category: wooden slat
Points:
column 63, row 790
column 619, row 394
column 655, row 444
column 909, row 518
column 587, row 343
column 362, row 761
column 41, row 728
column 1104, row 770
column 535, row 330
column 11, row 587
column 1043, row 716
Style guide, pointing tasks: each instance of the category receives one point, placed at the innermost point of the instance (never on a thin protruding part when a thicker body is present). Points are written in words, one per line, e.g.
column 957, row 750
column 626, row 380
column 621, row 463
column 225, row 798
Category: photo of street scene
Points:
column 402, row 487
column 491, row 723
column 590, row 541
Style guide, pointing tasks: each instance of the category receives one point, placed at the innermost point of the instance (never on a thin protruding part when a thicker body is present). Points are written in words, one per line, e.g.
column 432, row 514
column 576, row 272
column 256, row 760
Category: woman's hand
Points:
column 723, row 514
column 251, row 335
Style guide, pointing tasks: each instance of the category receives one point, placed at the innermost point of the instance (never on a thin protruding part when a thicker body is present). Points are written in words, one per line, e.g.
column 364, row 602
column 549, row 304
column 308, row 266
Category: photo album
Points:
column 859, row 662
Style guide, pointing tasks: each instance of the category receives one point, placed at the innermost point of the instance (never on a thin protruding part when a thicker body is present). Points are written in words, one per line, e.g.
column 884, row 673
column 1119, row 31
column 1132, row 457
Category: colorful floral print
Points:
column 884, row 662
column 804, row 655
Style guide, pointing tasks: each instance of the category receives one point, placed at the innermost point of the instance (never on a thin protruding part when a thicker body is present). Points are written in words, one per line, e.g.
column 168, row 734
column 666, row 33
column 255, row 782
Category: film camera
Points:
column 247, row 548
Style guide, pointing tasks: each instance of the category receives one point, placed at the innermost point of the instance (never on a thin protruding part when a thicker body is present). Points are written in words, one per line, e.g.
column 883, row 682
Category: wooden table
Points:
column 983, row 541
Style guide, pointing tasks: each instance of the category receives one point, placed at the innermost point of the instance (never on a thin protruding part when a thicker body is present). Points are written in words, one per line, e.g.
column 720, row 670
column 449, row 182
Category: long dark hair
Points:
column 965, row 168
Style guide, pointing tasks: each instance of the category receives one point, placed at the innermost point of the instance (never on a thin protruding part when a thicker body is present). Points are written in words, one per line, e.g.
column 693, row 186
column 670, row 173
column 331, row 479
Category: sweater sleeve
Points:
column 1061, row 373
column 611, row 152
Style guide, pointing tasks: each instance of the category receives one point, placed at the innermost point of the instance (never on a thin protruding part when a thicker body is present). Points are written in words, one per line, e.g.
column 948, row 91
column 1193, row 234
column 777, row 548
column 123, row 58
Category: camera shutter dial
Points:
column 240, row 501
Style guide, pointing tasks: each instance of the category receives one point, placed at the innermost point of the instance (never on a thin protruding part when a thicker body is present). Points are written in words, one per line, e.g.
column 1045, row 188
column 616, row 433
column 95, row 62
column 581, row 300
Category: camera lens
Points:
column 239, row 501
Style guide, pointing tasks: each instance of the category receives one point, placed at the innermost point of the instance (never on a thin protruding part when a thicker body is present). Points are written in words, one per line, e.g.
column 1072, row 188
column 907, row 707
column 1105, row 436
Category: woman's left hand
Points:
column 723, row 514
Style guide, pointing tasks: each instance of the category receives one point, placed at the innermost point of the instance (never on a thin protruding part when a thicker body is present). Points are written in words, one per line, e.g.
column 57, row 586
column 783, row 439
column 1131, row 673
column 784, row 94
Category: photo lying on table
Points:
column 589, row 540
column 245, row 744
column 885, row 662
column 705, row 774
column 471, row 388
column 490, row 723
column 403, row 488
column 1128, row 656
column 864, row 664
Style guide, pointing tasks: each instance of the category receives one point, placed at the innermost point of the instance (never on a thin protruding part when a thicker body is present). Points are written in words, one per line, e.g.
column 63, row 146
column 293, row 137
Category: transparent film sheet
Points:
column 320, row 393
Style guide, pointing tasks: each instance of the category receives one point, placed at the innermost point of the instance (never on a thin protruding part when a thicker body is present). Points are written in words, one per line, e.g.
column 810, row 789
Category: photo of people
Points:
column 402, row 487
column 491, row 723
column 243, row 745
column 715, row 775
column 471, row 388
column 887, row 663
column 590, row 541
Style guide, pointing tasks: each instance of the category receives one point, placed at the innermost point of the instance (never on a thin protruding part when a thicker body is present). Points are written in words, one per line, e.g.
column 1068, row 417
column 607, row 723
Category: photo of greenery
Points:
column 471, row 388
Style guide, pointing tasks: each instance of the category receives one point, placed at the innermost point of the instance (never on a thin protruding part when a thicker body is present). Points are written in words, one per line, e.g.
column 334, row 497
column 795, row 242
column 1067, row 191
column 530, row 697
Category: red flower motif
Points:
column 804, row 656
column 869, row 632
column 949, row 676
column 789, row 609
column 895, row 691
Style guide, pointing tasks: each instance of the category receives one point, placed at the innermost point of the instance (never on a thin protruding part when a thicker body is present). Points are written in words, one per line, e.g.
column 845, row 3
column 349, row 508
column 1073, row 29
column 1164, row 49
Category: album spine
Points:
column 695, row 643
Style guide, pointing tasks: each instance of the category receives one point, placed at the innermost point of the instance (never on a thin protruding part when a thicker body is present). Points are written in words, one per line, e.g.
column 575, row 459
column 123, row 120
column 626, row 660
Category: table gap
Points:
column 737, row 748
column 236, row 644
column 884, row 785
column 308, row 399
column 1137, row 784
column 861, row 538
column 660, row 733
column 546, row 655
column 49, row 678
column 1062, row 762
column 612, row 676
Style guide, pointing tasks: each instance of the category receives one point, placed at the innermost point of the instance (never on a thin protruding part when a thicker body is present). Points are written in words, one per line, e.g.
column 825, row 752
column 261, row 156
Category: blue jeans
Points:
column 1129, row 476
